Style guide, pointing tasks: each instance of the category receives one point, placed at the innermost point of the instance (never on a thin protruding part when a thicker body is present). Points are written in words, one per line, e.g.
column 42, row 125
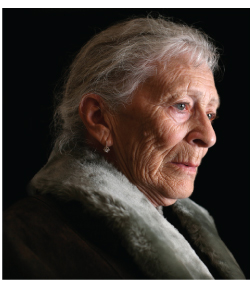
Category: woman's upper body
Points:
column 141, row 96
column 87, row 221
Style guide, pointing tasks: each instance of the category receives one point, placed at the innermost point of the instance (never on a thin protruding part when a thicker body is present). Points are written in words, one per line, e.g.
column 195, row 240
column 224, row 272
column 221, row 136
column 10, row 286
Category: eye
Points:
column 181, row 106
column 211, row 116
column 180, row 112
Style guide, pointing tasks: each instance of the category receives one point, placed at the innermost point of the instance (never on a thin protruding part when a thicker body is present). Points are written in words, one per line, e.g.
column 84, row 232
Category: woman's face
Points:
column 160, row 138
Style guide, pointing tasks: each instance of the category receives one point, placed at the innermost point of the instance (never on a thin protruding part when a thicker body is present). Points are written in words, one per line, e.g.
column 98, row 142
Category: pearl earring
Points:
column 106, row 148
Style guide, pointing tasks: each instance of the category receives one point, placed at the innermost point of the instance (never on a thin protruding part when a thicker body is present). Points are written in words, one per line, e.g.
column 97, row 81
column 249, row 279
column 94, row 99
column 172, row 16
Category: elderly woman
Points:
column 135, row 122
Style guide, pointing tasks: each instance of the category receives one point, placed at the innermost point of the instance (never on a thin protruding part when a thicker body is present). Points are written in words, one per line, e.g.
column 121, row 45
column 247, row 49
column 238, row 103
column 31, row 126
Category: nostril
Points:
column 200, row 143
column 202, row 136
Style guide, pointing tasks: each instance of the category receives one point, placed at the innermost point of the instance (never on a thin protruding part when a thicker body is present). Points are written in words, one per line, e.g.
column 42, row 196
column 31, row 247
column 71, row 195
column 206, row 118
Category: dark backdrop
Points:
column 38, row 44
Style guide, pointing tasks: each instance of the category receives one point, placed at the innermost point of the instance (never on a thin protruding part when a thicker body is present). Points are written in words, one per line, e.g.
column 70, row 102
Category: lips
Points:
column 189, row 164
column 186, row 166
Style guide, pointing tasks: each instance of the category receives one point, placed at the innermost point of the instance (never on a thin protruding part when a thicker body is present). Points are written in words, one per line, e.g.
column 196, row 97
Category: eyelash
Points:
column 186, row 105
column 183, row 103
column 213, row 116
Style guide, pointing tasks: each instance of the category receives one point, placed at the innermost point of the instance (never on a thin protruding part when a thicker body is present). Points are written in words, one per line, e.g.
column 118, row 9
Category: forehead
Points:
column 182, row 79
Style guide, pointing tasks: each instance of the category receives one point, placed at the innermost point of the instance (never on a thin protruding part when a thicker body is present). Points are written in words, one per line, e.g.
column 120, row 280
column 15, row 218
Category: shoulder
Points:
column 44, row 238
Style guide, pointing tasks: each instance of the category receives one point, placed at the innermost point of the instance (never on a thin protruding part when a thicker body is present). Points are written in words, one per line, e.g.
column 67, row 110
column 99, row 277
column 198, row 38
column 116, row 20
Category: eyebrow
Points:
column 214, row 100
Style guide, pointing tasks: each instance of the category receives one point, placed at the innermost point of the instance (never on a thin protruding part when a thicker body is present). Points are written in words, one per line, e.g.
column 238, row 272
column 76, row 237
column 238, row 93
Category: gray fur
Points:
column 156, row 246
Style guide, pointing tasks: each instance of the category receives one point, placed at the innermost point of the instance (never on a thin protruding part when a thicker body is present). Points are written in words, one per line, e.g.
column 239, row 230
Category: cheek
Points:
column 169, row 135
column 179, row 117
column 156, row 145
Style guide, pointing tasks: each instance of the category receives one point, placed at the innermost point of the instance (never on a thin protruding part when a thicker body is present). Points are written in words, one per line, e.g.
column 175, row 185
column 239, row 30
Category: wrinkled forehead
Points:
column 181, row 78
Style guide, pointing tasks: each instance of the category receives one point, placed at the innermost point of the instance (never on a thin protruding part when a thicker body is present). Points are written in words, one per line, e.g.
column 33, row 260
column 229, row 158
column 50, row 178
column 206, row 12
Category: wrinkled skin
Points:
column 166, row 127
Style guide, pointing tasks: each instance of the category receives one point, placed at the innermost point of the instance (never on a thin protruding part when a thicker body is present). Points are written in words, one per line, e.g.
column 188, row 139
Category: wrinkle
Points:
column 149, row 139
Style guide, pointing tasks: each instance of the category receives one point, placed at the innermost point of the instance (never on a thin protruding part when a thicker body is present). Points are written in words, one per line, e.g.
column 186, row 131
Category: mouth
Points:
column 186, row 166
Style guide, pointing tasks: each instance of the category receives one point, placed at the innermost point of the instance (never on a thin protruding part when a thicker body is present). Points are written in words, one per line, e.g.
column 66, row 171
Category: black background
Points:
column 38, row 45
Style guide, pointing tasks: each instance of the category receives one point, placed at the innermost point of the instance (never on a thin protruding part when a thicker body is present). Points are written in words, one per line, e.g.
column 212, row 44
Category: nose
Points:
column 202, row 133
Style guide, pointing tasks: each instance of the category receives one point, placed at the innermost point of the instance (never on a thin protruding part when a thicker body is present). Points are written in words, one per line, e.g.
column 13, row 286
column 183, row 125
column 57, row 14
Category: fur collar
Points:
column 157, row 247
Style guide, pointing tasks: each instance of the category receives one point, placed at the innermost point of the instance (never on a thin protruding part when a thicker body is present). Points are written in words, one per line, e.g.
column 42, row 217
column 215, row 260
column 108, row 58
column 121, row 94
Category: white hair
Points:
column 115, row 61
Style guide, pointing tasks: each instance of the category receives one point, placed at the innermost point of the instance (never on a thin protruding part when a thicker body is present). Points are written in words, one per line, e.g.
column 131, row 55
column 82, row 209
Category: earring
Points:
column 106, row 148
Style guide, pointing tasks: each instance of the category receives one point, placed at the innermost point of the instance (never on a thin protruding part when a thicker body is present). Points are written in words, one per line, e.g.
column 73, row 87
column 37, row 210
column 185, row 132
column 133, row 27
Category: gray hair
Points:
column 115, row 61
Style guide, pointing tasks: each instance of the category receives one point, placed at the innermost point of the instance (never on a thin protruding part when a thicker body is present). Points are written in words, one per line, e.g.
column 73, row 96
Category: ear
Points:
column 92, row 112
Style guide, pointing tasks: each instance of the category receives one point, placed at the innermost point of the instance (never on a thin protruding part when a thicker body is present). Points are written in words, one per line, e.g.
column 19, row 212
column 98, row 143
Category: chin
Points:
column 169, row 201
column 180, row 193
column 185, row 193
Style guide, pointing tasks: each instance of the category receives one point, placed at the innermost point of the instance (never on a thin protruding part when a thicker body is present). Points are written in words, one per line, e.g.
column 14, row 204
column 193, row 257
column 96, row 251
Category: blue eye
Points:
column 181, row 106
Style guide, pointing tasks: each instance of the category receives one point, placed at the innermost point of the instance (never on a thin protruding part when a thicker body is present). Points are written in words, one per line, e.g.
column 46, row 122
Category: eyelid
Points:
column 187, row 104
column 215, row 116
column 189, row 110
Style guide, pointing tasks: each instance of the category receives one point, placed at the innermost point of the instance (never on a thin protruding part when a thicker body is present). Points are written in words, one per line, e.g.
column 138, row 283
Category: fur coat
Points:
column 186, row 246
